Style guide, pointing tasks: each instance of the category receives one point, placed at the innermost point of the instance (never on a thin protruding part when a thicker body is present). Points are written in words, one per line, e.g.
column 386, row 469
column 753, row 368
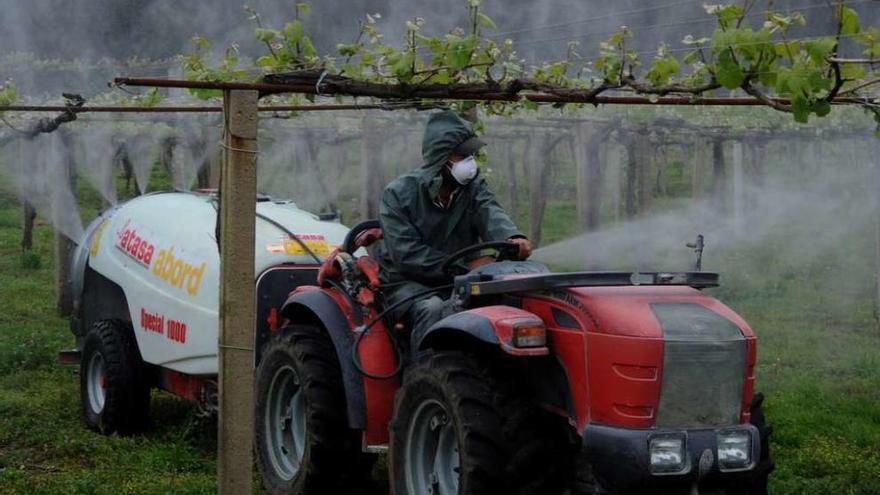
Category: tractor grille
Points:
column 704, row 362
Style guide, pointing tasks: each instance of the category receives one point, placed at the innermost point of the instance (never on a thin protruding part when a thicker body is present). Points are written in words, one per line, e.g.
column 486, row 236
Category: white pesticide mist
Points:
column 96, row 160
column 329, row 163
column 798, row 216
column 142, row 151
column 194, row 143
column 39, row 170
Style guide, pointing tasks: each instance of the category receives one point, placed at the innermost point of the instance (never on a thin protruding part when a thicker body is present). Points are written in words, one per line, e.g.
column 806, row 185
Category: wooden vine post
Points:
column 64, row 246
column 28, row 210
column 238, row 189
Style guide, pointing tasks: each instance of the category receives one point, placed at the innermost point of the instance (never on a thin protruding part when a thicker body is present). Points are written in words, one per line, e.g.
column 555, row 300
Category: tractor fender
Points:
column 492, row 326
column 488, row 324
column 318, row 307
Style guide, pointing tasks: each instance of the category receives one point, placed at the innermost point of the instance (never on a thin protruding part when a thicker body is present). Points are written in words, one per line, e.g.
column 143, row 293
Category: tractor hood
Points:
column 643, row 311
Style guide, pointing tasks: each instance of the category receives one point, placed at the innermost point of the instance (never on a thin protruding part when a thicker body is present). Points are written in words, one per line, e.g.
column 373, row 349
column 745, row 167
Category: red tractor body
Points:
column 626, row 360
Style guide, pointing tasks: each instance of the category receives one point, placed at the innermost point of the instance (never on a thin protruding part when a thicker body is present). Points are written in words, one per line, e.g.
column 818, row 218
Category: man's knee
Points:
column 432, row 308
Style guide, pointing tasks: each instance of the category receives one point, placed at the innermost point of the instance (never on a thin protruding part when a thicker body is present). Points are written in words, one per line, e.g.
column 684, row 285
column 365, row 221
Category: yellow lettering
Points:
column 177, row 273
column 157, row 267
column 195, row 279
column 168, row 266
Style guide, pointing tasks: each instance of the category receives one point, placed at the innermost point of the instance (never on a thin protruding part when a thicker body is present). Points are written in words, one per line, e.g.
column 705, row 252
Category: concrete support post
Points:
column 645, row 171
column 588, row 172
column 698, row 157
column 238, row 188
column 719, row 176
column 372, row 179
column 738, row 186
column 615, row 165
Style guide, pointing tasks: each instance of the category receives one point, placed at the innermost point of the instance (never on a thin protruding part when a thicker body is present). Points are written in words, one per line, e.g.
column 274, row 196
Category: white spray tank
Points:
column 161, row 250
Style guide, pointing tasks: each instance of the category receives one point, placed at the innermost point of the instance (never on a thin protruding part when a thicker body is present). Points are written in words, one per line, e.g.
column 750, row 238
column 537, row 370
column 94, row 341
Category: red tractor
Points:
column 591, row 382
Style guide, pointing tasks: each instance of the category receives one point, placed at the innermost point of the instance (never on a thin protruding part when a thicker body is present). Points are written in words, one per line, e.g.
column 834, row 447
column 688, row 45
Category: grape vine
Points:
column 762, row 61
column 8, row 95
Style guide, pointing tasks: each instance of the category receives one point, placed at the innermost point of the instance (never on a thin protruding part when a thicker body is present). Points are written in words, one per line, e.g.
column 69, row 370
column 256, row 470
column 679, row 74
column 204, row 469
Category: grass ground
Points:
column 819, row 366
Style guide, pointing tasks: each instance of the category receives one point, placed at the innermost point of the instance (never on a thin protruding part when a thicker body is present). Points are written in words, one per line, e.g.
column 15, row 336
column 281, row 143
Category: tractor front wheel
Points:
column 459, row 429
column 765, row 466
column 303, row 441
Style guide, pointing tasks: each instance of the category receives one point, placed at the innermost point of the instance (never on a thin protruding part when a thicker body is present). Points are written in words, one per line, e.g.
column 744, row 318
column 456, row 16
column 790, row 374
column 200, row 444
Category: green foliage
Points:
column 615, row 57
column 870, row 40
column 195, row 68
column 8, row 94
column 761, row 60
column 849, row 21
column 663, row 68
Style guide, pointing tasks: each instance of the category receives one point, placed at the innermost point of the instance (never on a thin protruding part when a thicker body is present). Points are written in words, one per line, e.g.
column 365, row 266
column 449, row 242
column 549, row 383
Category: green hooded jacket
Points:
column 418, row 235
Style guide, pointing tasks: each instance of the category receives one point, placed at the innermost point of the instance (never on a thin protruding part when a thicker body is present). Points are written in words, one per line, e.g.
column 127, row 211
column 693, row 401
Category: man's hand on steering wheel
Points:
column 512, row 249
column 525, row 246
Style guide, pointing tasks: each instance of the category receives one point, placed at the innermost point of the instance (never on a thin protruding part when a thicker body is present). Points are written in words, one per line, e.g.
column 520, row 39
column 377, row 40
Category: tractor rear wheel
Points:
column 459, row 429
column 303, row 441
column 114, row 389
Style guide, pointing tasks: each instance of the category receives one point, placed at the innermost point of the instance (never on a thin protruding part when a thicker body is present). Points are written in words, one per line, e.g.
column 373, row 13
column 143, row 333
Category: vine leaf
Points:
column 849, row 21
column 728, row 72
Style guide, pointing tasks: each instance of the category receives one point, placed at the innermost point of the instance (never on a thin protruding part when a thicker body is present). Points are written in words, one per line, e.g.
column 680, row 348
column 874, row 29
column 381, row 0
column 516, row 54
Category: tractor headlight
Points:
column 669, row 453
column 734, row 450
column 531, row 334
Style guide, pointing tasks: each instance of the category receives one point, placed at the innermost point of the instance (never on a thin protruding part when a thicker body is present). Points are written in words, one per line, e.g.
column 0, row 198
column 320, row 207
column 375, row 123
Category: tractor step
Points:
column 69, row 356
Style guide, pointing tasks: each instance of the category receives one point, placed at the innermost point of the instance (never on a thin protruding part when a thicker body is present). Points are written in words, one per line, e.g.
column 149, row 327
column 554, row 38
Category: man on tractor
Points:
column 434, row 211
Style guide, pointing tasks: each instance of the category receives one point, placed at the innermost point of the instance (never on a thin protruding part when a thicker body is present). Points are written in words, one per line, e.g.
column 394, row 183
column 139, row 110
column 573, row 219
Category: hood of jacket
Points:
column 445, row 131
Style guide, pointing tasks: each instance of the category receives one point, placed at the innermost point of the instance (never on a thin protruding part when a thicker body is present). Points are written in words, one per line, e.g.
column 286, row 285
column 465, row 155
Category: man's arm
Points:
column 494, row 223
column 413, row 258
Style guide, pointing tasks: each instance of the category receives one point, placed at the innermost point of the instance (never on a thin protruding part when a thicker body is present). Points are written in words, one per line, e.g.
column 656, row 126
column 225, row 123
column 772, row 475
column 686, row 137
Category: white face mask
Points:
column 464, row 171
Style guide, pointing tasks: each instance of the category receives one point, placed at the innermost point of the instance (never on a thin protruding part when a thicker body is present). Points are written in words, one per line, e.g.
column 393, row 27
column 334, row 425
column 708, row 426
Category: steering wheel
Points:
column 504, row 250
column 350, row 244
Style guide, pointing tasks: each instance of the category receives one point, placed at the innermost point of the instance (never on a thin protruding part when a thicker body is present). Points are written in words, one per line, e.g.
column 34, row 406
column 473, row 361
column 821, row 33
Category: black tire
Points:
column 114, row 387
column 758, row 485
column 332, row 461
column 504, row 444
column 584, row 481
